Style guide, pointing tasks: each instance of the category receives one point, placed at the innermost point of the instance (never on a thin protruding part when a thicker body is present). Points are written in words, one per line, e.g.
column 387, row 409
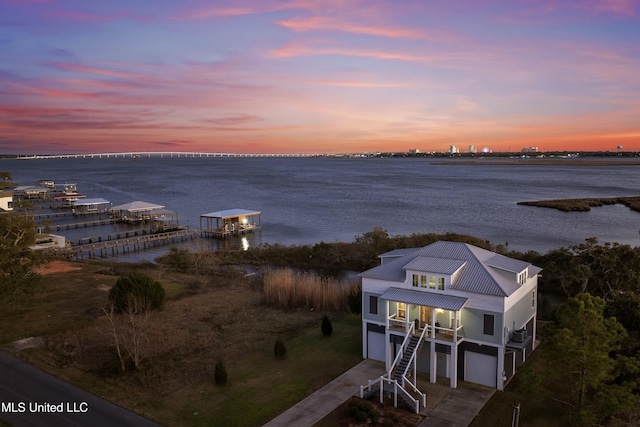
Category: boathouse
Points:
column 229, row 222
column 90, row 206
column 138, row 211
column 31, row 192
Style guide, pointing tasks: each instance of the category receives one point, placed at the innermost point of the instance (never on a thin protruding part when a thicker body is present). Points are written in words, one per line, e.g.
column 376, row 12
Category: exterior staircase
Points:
column 403, row 365
column 394, row 383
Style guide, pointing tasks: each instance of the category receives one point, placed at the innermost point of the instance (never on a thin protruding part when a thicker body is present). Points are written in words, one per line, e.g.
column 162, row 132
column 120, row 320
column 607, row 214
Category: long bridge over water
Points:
column 139, row 154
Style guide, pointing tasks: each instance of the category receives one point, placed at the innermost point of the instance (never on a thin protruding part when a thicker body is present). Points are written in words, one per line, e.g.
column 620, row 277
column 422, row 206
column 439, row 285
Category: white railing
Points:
column 402, row 348
column 396, row 388
column 411, row 361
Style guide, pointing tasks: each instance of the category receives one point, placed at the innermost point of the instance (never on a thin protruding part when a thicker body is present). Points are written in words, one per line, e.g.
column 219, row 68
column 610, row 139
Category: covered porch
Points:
column 436, row 319
column 439, row 314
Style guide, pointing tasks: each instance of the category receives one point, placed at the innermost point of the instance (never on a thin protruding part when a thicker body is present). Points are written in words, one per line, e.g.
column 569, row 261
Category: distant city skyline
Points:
column 302, row 76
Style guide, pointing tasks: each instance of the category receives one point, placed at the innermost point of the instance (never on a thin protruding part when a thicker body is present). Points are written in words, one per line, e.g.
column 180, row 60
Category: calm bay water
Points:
column 308, row 200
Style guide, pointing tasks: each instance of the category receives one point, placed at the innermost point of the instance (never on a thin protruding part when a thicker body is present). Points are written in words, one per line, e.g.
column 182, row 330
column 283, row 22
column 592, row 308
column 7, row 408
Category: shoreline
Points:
column 541, row 162
column 585, row 204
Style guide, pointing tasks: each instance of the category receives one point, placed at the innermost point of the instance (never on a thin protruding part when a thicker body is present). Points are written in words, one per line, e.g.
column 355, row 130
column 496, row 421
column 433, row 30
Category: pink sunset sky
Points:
column 330, row 76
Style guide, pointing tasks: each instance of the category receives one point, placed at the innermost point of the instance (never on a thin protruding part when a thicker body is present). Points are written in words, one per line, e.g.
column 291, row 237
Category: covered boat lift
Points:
column 138, row 211
column 90, row 206
column 229, row 222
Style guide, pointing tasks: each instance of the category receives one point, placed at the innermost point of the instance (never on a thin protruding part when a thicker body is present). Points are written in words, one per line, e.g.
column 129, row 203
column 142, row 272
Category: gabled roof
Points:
column 476, row 273
column 435, row 265
column 137, row 206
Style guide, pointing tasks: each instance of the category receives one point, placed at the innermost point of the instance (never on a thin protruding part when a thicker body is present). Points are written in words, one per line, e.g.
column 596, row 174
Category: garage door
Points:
column 375, row 346
column 480, row 368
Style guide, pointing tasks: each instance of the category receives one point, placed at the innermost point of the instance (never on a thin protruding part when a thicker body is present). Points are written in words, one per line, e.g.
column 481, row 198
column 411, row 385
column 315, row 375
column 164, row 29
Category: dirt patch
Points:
column 57, row 266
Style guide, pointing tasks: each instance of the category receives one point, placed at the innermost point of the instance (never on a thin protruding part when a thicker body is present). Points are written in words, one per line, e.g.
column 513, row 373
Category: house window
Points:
column 533, row 299
column 423, row 281
column 373, row 304
column 402, row 310
column 441, row 283
column 489, row 321
column 432, row 282
column 415, row 280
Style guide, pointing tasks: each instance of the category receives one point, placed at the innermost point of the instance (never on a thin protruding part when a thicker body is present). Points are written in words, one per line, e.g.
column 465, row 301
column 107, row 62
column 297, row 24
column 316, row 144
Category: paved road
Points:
column 29, row 397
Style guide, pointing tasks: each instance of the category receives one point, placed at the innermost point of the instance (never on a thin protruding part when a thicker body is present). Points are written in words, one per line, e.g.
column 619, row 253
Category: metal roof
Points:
column 509, row 264
column 429, row 299
column 97, row 201
column 435, row 265
column 475, row 274
column 230, row 213
column 392, row 270
column 137, row 206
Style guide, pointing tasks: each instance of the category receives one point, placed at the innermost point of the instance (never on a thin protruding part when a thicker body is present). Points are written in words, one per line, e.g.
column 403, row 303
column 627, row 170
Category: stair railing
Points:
column 402, row 349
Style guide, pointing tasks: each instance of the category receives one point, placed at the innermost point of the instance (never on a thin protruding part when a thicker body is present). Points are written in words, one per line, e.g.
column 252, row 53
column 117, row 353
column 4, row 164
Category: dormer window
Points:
column 522, row 277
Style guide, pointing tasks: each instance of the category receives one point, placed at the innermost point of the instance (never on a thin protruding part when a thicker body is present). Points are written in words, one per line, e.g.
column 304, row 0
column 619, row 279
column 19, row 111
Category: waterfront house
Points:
column 451, row 310
column 6, row 200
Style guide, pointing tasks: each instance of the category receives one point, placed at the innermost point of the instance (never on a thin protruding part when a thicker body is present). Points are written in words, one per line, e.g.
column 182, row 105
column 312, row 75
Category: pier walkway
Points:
column 136, row 244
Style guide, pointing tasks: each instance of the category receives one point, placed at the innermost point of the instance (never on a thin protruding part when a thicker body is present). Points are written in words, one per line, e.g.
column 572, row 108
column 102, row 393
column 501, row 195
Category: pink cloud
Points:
column 326, row 23
column 94, row 70
column 300, row 50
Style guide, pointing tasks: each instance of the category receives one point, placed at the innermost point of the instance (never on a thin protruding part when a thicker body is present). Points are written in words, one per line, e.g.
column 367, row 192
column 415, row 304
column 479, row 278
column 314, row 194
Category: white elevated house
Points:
column 449, row 309
column 6, row 200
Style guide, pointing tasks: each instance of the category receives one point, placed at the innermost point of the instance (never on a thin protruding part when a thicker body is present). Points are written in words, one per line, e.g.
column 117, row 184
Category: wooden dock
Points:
column 136, row 244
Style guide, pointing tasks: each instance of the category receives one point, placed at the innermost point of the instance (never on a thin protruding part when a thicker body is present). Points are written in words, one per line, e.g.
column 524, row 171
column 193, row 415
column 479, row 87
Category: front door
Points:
column 425, row 315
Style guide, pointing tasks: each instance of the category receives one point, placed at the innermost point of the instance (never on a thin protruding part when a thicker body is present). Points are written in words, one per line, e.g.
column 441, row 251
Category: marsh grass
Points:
column 290, row 289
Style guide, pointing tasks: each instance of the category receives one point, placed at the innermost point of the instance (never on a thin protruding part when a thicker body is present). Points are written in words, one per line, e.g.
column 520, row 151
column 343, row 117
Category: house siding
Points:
column 473, row 323
column 519, row 314
column 366, row 308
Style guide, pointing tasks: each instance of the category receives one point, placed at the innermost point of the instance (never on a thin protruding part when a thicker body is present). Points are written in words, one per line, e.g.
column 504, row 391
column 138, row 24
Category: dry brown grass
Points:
column 288, row 289
column 206, row 319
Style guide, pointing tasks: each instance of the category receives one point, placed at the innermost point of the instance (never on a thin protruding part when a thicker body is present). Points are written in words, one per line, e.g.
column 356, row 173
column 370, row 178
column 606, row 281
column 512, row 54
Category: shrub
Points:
column 137, row 293
column 220, row 373
column 361, row 417
column 279, row 350
column 327, row 327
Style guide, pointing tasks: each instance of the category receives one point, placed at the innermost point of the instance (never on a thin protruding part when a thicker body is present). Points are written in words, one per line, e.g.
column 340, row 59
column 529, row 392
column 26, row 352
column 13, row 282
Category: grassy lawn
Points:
column 537, row 409
column 206, row 319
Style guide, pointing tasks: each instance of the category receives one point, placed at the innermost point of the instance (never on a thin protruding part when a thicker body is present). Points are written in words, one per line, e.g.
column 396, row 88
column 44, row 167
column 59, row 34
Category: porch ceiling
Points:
column 428, row 299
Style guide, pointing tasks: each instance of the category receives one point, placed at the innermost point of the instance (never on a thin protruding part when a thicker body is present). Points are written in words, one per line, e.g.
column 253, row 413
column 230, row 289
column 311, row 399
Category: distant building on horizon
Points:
column 453, row 149
column 530, row 150
column 472, row 149
column 414, row 151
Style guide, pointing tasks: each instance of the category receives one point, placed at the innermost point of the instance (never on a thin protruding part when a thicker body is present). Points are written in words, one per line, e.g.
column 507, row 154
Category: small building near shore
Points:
column 6, row 200
column 229, row 222
column 31, row 192
column 138, row 211
column 90, row 206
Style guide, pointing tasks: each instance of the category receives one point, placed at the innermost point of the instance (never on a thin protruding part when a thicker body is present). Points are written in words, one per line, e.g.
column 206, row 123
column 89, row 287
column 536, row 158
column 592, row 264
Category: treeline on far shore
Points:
column 606, row 270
